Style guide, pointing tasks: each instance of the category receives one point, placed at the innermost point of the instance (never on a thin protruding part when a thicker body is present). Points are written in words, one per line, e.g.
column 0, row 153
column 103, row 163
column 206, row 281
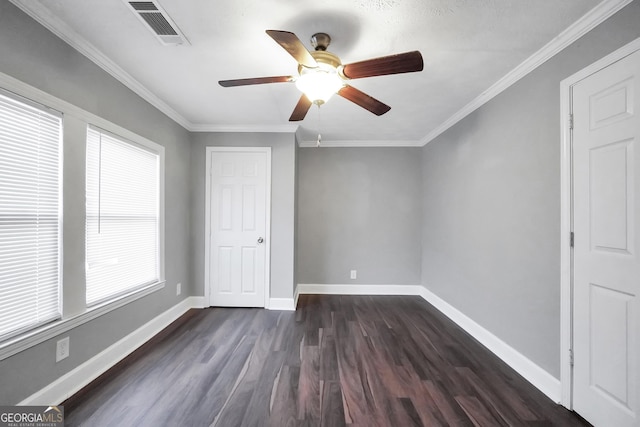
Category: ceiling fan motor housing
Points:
column 324, row 59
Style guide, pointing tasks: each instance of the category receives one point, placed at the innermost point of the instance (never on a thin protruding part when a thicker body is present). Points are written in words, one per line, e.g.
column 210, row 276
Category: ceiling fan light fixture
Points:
column 319, row 86
column 320, row 83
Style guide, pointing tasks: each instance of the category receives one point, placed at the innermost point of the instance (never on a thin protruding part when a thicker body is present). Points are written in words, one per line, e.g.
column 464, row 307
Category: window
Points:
column 122, row 218
column 30, row 146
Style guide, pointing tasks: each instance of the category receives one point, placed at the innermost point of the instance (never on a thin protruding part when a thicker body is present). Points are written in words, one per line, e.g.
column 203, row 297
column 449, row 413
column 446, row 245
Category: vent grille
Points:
column 158, row 21
column 159, row 24
column 143, row 5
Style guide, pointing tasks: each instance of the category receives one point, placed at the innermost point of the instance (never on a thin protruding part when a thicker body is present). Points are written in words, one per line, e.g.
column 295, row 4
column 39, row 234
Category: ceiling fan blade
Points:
column 255, row 81
column 292, row 44
column 301, row 109
column 362, row 99
column 407, row 62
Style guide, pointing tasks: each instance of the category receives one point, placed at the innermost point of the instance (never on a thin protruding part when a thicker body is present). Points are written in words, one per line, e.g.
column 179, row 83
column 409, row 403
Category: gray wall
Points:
column 33, row 55
column 359, row 209
column 283, row 152
column 491, row 203
column 486, row 194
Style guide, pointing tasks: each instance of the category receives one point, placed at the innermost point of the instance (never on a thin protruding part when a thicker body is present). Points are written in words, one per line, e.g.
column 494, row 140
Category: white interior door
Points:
column 238, row 209
column 606, row 261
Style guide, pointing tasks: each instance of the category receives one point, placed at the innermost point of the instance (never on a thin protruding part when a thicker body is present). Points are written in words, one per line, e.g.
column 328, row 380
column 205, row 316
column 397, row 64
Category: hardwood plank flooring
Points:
column 337, row 361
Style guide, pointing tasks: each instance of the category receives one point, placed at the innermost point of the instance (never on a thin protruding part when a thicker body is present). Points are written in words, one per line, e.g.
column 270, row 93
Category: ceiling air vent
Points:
column 157, row 20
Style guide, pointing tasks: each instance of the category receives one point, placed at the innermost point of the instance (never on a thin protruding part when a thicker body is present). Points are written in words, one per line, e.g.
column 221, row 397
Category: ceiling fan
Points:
column 321, row 73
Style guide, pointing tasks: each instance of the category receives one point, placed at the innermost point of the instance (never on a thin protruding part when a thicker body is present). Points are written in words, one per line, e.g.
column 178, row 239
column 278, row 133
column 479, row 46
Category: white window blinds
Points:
column 122, row 220
column 30, row 143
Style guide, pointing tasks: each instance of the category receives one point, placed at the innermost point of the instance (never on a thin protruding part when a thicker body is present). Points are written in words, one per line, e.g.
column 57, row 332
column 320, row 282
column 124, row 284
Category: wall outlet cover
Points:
column 354, row 274
column 62, row 349
column 178, row 288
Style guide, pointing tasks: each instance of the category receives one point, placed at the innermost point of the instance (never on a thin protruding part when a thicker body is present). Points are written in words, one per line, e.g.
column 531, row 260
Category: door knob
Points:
column 260, row 240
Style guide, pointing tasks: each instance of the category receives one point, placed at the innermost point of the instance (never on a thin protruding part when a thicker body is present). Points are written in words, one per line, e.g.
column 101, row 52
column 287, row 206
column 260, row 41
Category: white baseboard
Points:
column 541, row 379
column 305, row 288
column 286, row 304
column 70, row 383
column 198, row 302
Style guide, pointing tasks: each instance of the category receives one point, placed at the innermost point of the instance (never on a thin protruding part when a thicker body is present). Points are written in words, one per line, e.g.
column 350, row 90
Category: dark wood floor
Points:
column 336, row 361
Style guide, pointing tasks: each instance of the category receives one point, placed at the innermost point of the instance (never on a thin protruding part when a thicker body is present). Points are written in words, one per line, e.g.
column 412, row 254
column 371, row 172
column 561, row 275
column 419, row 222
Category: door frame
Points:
column 207, row 219
column 566, row 215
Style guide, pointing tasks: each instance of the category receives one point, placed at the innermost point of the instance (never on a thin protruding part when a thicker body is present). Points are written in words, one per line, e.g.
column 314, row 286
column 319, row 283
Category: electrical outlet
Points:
column 354, row 274
column 62, row 349
column 178, row 288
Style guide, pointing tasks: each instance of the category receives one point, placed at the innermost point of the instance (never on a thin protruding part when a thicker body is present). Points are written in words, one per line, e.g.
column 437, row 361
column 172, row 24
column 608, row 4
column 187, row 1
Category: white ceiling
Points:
column 467, row 45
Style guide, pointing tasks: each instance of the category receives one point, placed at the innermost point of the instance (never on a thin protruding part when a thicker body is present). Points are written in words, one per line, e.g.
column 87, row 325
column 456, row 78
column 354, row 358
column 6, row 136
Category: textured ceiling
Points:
column 467, row 46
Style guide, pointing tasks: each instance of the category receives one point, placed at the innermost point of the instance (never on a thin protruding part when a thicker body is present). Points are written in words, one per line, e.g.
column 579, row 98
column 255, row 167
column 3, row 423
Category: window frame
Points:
column 60, row 190
column 78, row 314
column 157, row 151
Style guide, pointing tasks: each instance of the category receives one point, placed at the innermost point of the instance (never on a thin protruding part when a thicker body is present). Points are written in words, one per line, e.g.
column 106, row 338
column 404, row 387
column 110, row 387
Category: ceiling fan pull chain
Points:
column 319, row 135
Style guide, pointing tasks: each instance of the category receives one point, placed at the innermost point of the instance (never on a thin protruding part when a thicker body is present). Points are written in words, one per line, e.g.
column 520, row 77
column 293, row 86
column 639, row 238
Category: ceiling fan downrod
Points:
column 320, row 41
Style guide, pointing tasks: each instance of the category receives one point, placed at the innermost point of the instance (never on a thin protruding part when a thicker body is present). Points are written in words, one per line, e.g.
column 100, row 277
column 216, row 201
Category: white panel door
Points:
column 606, row 260
column 238, row 224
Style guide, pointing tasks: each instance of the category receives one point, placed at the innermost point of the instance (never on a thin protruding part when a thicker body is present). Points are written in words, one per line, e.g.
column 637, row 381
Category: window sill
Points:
column 36, row 336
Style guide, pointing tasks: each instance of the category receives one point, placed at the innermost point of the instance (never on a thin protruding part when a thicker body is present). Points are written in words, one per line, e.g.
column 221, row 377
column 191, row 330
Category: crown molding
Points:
column 590, row 20
column 286, row 128
column 355, row 143
column 51, row 22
